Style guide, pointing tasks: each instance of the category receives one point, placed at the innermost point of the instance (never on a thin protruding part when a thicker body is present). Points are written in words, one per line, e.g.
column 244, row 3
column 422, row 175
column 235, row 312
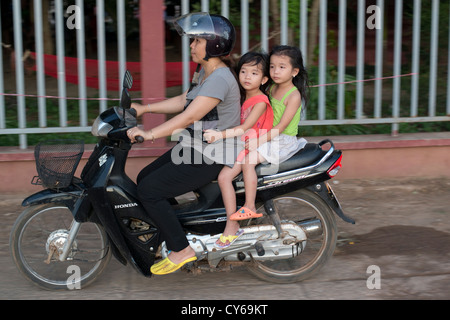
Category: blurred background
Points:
column 62, row 61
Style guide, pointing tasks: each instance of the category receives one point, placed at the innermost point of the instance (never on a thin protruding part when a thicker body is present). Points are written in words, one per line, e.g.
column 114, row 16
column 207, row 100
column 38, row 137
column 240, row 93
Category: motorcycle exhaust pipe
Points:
column 312, row 227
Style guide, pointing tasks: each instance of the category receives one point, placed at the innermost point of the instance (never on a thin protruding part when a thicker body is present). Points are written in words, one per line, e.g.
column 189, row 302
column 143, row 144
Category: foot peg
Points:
column 259, row 249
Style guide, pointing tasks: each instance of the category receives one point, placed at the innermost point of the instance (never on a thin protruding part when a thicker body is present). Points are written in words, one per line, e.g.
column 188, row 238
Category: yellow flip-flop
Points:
column 226, row 241
column 166, row 266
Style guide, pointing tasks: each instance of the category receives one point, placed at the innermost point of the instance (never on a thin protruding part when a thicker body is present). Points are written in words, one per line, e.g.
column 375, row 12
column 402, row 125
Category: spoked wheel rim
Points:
column 300, row 208
column 46, row 227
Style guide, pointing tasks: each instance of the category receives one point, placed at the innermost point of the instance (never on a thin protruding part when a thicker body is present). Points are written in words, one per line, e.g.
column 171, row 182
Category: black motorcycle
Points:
column 65, row 237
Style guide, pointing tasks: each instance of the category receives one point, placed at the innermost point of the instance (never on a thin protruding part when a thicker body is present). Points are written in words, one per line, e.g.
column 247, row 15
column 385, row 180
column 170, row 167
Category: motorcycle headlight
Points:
column 100, row 128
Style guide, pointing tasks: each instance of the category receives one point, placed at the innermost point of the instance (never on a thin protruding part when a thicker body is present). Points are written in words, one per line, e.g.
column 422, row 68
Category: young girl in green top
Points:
column 280, row 143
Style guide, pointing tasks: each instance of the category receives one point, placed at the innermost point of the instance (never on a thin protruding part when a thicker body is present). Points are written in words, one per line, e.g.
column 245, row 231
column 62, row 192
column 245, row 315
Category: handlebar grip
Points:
column 139, row 139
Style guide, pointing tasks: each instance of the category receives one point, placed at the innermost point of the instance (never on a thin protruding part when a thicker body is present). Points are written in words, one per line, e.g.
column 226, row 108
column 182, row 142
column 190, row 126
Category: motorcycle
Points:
column 74, row 225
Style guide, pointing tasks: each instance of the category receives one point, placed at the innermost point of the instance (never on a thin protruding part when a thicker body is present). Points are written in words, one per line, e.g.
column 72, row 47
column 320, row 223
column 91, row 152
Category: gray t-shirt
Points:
column 221, row 84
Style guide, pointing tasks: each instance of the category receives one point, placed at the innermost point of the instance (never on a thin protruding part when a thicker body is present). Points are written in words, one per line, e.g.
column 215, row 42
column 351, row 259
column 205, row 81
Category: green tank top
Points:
column 278, row 107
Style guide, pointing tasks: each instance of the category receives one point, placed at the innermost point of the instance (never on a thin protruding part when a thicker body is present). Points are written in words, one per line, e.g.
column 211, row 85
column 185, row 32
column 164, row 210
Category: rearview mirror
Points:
column 127, row 80
column 125, row 99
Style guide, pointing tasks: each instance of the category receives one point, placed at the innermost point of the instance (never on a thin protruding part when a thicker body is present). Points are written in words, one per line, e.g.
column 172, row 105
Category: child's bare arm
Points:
column 258, row 109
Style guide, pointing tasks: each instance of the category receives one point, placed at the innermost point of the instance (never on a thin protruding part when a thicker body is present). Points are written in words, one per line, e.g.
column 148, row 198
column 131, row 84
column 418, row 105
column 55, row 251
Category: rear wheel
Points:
column 37, row 235
column 300, row 207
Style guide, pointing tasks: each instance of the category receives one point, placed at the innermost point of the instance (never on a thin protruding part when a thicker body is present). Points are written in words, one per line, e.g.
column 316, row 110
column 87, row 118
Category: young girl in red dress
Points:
column 256, row 119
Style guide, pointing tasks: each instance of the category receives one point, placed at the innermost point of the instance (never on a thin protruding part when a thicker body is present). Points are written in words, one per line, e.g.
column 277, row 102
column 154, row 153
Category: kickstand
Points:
column 272, row 212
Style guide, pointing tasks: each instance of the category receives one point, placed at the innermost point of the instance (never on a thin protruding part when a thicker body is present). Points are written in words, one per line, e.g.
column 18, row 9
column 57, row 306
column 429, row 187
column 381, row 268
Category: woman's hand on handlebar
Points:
column 140, row 109
column 137, row 135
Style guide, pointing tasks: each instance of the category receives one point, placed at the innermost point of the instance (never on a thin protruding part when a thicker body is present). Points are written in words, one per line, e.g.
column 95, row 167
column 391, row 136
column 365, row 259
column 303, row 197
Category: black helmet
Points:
column 216, row 29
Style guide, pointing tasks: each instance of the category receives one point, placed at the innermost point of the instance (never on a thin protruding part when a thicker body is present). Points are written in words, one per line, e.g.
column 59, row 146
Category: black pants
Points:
column 162, row 180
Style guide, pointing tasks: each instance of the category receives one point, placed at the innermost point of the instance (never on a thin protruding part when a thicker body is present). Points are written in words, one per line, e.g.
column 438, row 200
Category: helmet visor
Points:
column 198, row 24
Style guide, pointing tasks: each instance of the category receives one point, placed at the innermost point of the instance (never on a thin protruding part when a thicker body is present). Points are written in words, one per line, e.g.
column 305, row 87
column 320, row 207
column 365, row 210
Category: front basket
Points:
column 56, row 162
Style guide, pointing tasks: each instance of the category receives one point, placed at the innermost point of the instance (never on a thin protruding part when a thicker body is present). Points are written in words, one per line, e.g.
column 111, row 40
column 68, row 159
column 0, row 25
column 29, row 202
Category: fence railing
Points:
column 382, row 40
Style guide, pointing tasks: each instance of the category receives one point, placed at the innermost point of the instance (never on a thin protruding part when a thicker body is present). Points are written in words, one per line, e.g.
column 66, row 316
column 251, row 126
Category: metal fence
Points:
column 369, row 18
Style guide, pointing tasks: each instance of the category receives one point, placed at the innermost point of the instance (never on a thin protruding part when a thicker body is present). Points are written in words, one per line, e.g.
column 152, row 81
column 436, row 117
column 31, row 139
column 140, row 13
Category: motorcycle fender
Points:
column 75, row 200
column 51, row 195
column 324, row 190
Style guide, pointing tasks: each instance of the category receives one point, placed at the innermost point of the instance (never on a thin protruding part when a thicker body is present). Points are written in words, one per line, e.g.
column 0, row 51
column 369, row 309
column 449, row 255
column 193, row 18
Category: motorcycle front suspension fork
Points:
column 75, row 227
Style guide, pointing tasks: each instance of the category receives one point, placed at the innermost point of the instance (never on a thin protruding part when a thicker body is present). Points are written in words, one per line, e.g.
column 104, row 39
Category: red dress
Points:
column 264, row 123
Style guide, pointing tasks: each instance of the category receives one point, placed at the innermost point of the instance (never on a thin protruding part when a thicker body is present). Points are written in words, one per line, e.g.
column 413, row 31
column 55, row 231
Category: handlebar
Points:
column 133, row 112
column 139, row 139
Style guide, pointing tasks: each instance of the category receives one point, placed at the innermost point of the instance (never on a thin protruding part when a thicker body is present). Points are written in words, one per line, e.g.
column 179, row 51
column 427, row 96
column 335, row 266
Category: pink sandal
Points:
column 244, row 213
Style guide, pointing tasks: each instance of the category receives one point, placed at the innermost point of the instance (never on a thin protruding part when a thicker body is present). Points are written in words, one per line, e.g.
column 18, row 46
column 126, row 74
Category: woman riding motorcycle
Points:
column 213, row 103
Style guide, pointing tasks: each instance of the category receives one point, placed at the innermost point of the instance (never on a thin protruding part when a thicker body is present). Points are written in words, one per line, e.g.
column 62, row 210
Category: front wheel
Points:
column 300, row 207
column 40, row 231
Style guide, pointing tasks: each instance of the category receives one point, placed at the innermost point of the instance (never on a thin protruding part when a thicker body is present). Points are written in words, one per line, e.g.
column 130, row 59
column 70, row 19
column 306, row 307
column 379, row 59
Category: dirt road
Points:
column 402, row 239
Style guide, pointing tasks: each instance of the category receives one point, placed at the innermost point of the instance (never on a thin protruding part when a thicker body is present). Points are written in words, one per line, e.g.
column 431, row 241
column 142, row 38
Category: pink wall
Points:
column 153, row 60
column 364, row 157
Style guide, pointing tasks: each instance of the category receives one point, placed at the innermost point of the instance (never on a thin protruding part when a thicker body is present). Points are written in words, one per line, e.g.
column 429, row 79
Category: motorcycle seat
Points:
column 304, row 157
